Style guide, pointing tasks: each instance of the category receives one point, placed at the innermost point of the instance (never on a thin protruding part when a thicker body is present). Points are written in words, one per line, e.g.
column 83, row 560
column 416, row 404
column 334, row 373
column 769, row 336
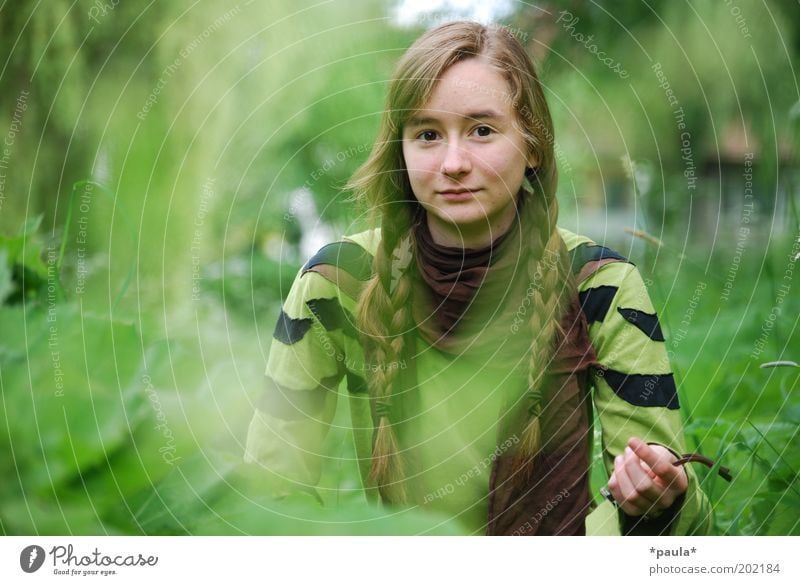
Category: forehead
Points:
column 468, row 86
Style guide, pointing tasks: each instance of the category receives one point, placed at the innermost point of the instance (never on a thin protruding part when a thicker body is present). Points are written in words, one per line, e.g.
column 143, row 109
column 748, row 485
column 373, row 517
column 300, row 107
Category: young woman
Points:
column 476, row 337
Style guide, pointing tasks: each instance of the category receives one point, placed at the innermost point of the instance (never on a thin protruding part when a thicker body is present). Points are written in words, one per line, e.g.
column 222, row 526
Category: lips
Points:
column 458, row 194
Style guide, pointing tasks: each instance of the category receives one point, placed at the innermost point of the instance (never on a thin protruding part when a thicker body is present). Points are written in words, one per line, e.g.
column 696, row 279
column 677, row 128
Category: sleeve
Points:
column 634, row 390
column 304, row 369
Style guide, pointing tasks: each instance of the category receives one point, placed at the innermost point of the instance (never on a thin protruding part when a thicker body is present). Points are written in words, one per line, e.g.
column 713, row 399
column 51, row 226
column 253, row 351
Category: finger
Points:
column 642, row 482
column 629, row 498
column 674, row 484
column 613, row 483
column 646, row 468
column 655, row 495
column 661, row 465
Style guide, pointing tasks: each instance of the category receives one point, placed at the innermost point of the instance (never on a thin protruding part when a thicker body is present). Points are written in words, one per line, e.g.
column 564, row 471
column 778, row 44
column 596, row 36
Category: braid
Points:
column 548, row 267
column 384, row 315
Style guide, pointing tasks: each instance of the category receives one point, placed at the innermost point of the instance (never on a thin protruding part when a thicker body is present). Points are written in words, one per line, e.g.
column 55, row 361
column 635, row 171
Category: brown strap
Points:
column 697, row 458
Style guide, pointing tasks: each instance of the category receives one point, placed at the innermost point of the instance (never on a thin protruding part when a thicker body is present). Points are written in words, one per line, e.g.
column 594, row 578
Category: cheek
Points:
column 421, row 165
column 420, row 161
column 508, row 166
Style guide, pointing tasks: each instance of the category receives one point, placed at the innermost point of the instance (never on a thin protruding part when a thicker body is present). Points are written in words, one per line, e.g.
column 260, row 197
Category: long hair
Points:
column 384, row 309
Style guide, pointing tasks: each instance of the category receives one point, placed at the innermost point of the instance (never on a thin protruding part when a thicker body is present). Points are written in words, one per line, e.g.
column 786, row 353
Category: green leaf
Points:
column 72, row 397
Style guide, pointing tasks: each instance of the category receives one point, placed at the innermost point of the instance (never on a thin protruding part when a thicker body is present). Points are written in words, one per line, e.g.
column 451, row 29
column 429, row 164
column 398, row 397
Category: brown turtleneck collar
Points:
column 453, row 276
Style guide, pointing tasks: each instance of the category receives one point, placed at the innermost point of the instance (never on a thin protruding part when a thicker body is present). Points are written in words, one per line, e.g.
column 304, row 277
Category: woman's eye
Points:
column 484, row 131
column 427, row 136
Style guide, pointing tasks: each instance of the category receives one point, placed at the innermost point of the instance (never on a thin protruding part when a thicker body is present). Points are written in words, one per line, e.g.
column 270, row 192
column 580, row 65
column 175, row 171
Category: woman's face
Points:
column 466, row 155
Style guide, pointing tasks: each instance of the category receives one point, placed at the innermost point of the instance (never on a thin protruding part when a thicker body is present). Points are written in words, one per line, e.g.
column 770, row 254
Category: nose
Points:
column 456, row 160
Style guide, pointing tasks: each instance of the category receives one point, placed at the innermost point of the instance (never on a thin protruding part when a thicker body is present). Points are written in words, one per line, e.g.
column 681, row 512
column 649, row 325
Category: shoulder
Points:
column 352, row 253
column 368, row 239
column 346, row 263
column 591, row 260
column 611, row 289
column 573, row 240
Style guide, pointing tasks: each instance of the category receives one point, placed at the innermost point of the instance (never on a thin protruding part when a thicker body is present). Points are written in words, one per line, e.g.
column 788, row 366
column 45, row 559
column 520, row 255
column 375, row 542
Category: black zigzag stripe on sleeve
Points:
column 643, row 389
column 289, row 330
column 647, row 322
column 332, row 315
column 347, row 256
column 586, row 252
column 596, row 301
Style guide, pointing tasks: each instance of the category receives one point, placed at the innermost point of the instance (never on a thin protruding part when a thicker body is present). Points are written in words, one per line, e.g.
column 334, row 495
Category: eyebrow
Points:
column 415, row 121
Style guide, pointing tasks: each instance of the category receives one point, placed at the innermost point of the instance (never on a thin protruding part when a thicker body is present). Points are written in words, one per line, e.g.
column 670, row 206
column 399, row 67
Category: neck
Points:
column 464, row 236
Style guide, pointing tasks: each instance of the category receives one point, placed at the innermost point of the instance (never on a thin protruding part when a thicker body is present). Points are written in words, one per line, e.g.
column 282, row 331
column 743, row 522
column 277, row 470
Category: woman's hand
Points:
column 644, row 480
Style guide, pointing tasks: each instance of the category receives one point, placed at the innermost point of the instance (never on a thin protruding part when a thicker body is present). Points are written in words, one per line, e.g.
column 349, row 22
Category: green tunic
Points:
column 453, row 439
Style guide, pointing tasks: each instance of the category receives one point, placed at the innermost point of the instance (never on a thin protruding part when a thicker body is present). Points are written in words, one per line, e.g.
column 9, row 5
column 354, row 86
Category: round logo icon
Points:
column 31, row 558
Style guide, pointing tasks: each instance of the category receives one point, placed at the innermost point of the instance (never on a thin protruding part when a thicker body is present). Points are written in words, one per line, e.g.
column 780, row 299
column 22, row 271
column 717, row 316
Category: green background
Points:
column 165, row 168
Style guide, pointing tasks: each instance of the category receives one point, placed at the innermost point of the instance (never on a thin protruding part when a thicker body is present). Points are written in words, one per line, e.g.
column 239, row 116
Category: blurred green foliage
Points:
column 150, row 233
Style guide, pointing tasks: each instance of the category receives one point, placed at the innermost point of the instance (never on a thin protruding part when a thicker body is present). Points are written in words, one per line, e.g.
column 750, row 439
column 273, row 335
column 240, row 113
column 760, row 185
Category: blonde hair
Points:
column 381, row 183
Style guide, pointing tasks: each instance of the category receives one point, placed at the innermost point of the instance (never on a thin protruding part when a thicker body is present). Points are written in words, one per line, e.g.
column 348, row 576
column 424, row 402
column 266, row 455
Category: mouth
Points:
column 458, row 194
